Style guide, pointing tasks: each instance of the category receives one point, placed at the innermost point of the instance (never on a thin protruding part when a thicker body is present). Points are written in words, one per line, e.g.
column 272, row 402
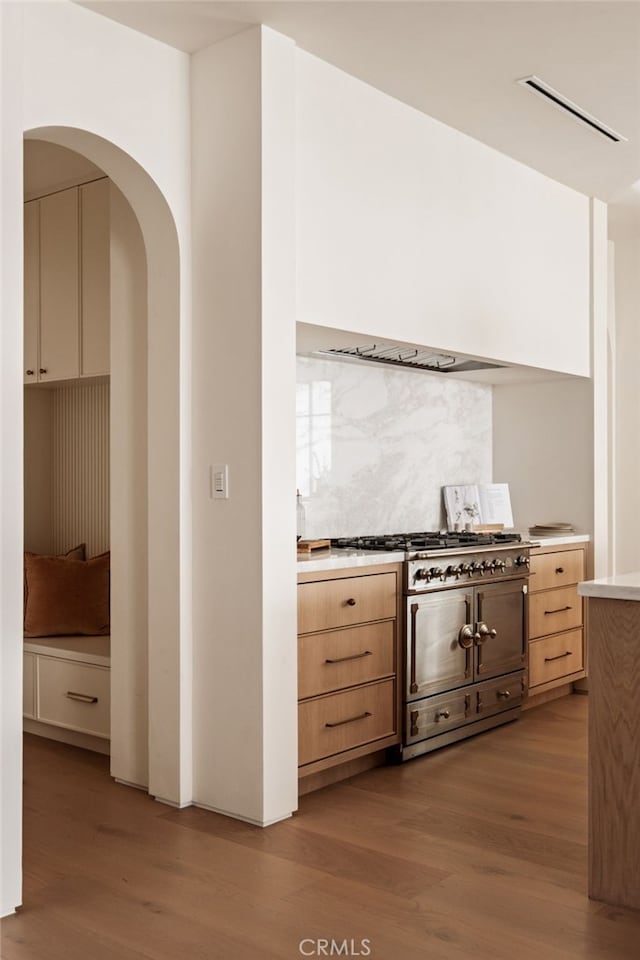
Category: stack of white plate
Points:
column 551, row 530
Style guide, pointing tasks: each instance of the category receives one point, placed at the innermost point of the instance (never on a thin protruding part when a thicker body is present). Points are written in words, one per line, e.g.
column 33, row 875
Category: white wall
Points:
column 11, row 490
column 376, row 445
column 129, row 480
column 412, row 231
column 543, row 446
column 244, row 577
column 625, row 231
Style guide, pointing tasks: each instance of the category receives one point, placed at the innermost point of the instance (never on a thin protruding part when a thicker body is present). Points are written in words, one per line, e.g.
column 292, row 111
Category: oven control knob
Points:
column 455, row 571
column 422, row 574
column 500, row 565
column 436, row 572
column 466, row 568
column 482, row 567
column 523, row 561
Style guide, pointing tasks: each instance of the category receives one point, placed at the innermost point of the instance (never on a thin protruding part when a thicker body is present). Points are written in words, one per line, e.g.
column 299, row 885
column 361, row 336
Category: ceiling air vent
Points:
column 412, row 358
column 543, row 89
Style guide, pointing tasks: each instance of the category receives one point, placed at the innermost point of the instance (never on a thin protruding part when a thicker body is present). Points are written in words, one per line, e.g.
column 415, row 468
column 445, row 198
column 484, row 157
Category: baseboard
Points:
column 71, row 737
column 548, row 696
column 174, row 804
column 343, row 771
column 129, row 783
column 236, row 816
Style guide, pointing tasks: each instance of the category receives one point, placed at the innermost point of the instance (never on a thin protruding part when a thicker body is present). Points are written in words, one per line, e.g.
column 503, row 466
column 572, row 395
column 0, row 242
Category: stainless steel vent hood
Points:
column 412, row 358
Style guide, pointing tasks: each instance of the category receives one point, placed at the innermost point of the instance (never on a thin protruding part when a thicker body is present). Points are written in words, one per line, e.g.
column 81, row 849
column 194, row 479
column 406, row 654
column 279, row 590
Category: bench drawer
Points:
column 74, row 695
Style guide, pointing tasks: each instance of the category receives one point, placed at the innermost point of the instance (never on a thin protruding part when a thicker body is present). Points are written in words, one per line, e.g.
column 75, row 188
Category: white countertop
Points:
column 335, row 559
column 623, row 586
column 558, row 541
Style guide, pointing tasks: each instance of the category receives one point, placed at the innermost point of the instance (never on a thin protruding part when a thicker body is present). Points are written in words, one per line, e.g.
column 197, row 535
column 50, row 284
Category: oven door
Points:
column 439, row 642
column 500, row 637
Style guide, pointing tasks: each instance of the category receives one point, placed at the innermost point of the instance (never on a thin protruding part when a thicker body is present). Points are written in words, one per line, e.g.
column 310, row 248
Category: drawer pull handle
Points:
column 442, row 715
column 560, row 656
column 29, row 373
column 339, row 723
column 351, row 602
column 82, row 697
column 354, row 656
column 43, row 370
column 503, row 694
column 559, row 610
column 559, row 569
column 413, row 716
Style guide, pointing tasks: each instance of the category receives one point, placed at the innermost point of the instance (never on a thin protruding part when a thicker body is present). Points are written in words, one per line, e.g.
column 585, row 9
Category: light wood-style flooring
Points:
column 477, row 851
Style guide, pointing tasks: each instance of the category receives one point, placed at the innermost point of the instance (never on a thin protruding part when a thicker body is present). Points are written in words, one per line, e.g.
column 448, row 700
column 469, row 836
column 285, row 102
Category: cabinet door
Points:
column 95, row 312
column 436, row 659
column 59, row 283
column 501, row 608
column 31, row 289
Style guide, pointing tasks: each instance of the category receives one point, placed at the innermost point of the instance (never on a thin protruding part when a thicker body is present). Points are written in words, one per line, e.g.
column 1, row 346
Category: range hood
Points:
column 412, row 358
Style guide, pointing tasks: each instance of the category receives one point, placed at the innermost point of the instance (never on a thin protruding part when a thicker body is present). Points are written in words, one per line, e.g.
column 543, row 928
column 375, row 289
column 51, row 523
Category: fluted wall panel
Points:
column 80, row 467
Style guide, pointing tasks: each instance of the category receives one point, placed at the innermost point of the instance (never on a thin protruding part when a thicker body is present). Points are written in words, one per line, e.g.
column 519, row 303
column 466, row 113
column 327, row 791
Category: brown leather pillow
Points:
column 66, row 597
column 76, row 553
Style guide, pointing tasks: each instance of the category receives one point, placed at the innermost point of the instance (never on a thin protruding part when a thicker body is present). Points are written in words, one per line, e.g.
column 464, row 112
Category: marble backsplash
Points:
column 375, row 445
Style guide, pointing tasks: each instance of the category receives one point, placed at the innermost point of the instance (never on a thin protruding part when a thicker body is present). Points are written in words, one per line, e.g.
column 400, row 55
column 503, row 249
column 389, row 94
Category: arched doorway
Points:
column 157, row 711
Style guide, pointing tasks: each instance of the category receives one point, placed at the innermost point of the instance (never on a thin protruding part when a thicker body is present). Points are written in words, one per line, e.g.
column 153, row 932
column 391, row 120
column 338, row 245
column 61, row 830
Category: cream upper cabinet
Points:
column 59, row 287
column 94, row 220
column 67, row 284
column 31, row 289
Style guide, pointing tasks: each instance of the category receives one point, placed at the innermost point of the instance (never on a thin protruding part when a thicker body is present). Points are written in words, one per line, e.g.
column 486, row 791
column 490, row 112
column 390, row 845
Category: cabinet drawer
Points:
column 344, row 658
column 29, row 685
column 73, row 695
column 555, row 657
column 556, row 569
column 434, row 715
column 553, row 611
column 331, row 724
column 326, row 604
column 498, row 695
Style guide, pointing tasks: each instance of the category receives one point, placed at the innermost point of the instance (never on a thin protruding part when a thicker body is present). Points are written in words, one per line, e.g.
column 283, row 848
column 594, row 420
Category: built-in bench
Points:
column 67, row 690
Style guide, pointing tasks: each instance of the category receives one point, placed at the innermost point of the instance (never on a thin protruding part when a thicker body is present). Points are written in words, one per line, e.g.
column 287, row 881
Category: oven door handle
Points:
column 483, row 634
column 413, row 686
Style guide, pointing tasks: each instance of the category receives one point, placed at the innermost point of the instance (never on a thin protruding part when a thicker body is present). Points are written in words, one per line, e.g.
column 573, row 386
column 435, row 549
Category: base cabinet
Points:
column 348, row 665
column 67, row 690
column 556, row 648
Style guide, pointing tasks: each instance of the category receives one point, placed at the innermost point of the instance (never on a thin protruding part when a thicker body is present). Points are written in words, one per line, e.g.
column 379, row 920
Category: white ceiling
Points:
column 458, row 61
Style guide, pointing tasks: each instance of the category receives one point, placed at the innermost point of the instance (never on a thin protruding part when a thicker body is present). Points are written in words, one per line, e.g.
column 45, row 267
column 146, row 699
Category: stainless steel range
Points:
column 465, row 633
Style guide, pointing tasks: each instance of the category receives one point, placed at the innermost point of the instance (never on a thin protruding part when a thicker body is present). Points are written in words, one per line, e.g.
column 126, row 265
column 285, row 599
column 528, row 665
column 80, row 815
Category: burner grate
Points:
column 429, row 540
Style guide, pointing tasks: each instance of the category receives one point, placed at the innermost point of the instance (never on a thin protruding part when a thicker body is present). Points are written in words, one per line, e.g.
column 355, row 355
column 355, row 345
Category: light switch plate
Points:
column 219, row 481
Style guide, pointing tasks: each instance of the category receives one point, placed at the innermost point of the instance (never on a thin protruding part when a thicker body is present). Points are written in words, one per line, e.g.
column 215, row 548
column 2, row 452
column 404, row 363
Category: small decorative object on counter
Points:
column 300, row 517
column 551, row 530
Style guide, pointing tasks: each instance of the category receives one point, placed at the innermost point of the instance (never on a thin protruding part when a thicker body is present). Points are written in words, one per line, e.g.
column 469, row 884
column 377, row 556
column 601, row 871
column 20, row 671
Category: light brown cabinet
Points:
column 348, row 665
column 66, row 284
column 556, row 618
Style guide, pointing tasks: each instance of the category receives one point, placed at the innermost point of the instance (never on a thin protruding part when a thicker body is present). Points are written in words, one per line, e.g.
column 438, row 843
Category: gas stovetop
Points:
column 411, row 542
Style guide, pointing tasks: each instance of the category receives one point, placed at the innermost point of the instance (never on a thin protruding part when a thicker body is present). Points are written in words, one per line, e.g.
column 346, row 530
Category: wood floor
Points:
column 477, row 851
